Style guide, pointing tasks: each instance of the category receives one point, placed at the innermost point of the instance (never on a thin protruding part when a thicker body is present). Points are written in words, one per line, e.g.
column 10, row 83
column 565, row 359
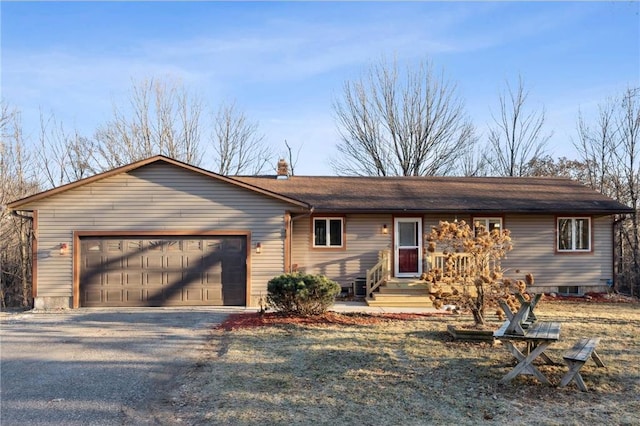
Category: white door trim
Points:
column 397, row 246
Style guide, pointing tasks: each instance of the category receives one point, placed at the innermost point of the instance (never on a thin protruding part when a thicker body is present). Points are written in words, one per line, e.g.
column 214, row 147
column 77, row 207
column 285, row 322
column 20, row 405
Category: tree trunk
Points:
column 24, row 263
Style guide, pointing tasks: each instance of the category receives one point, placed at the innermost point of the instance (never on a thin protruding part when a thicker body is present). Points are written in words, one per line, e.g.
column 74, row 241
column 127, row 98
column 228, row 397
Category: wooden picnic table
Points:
column 537, row 338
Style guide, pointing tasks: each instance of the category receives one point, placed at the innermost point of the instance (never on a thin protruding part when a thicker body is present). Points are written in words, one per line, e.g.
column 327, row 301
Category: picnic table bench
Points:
column 576, row 357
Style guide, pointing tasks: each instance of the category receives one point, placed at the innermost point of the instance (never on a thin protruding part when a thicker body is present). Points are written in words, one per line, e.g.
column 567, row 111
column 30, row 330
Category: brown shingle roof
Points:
column 441, row 194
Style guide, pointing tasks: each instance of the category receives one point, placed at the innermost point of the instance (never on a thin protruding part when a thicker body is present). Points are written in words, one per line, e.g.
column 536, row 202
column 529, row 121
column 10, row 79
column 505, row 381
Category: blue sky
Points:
column 285, row 62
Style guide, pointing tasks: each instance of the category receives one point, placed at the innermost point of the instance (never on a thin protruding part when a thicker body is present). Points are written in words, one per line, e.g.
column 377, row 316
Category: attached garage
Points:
column 163, row 270
column 157, row 232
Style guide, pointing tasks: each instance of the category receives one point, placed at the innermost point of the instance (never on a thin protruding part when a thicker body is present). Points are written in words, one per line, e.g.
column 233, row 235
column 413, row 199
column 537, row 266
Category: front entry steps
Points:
column 397, row 292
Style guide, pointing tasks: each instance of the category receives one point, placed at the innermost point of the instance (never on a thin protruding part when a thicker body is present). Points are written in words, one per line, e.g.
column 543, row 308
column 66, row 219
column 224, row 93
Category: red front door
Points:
column 408, row 247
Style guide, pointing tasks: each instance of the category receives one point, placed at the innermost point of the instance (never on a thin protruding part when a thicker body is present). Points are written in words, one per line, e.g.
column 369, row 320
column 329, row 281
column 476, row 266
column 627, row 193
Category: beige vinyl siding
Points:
column 534, row 244
column 534, row 241
column 157, row 197
column 363, row 240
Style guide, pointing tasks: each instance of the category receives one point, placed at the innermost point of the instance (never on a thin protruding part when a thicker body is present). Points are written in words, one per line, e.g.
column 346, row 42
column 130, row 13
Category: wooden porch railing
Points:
column 462, row 262
column 381, row 272
column 377, row 275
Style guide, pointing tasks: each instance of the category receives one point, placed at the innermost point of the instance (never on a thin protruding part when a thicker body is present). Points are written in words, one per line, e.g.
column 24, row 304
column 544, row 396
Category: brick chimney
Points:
column 283, row 169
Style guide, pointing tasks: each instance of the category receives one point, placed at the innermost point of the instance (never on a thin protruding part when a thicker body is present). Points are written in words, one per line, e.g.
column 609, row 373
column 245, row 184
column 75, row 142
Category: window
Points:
column 114, row 245
column 327, row 232
column 569, row 289
column 574, row 234
column 489, row 223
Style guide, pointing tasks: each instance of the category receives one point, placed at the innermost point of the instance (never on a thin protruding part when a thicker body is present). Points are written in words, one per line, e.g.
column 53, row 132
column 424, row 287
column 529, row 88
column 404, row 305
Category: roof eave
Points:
column 470, row 211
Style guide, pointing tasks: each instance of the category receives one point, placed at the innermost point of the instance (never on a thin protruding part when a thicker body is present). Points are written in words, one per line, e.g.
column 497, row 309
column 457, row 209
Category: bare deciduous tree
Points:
column 561, row 167
column 163, row 119
column 63, row 157
column 414, row 125
column 517, row 136
column 596, row 146
column 239, row 147
column 472, row 162
column 610, row 150
column 16, row 181
column 293, row 159
column 628, row 183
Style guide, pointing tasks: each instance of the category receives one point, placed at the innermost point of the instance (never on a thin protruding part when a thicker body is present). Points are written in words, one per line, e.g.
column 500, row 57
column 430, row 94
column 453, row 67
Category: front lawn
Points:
column 392, row 372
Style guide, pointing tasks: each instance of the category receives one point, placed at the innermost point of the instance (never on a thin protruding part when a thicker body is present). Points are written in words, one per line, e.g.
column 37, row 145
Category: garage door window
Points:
column 134, row 245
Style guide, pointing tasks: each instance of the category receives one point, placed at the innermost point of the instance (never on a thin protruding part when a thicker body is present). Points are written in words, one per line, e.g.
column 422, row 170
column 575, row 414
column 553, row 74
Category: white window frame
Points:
column 486, row 221
column 328, row 220
column 574, row 234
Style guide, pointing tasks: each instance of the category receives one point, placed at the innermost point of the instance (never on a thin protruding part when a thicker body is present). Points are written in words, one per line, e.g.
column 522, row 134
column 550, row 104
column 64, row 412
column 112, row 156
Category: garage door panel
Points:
column 194, row 294
column 112, row 261
column 134, row 271
column 92, row 261
column 133, row 261
column 92, row 297
column 214, row 295
column 153, row 279
column 174, row 261
column 113, row 278
column 172, row 294
column 153, row 261
column 92, row 280
column 113, row 296
column 155, row 295
column 233, row 295
column 213, row 277
column 134, row 297
column 134, row 278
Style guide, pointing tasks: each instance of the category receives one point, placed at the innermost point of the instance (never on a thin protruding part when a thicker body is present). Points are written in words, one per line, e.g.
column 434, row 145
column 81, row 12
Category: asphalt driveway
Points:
column 97, row 366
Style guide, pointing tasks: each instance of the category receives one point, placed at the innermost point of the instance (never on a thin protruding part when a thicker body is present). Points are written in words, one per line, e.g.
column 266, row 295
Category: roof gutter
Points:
column 16, row 214
column 308, row 214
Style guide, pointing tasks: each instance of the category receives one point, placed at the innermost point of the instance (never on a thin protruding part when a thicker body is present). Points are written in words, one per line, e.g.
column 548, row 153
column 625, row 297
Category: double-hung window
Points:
column 574, row 234
column 328, row 232
column 489, row 223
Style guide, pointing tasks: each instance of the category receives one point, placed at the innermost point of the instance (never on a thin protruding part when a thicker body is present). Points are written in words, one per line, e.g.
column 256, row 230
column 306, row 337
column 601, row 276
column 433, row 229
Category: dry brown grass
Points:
column 410, row 373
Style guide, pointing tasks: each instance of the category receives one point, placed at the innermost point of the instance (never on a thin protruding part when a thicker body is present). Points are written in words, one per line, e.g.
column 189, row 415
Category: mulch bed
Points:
column 592, row 297
column 249, row 320
column 257, row 319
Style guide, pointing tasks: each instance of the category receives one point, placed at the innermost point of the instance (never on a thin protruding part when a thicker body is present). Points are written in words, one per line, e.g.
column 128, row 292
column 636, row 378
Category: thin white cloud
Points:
column 286, row 51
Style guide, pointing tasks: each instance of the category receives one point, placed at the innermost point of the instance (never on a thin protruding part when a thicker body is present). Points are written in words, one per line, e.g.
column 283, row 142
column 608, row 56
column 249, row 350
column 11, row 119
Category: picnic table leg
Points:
column 506, row 309
column 515, row 324
column 532, row 304
column 574, row 373
column 596, row 359
column 526, row 363
column 544, row 356
column 547, row 360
